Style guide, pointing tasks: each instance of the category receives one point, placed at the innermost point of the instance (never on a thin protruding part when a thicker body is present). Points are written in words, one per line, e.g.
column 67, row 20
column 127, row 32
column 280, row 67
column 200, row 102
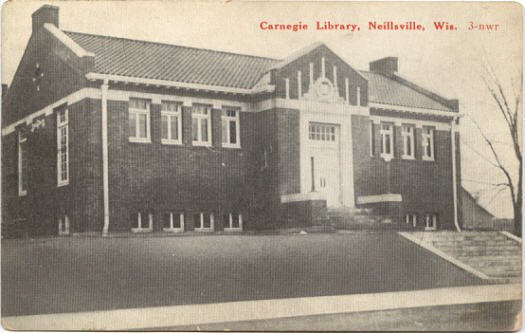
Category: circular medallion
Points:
column 324, row 88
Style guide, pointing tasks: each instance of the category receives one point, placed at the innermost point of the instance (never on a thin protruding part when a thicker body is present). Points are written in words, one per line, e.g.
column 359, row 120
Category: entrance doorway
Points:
column 325, row 162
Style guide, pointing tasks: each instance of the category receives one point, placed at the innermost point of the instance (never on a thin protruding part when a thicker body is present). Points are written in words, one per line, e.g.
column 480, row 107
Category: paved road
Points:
column 78, row 274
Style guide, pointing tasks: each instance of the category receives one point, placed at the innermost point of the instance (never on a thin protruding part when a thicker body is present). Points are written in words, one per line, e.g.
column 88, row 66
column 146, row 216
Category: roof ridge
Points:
column 172, row 45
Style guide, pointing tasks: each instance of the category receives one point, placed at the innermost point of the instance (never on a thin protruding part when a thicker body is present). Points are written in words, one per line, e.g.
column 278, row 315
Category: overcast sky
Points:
column 446, row 62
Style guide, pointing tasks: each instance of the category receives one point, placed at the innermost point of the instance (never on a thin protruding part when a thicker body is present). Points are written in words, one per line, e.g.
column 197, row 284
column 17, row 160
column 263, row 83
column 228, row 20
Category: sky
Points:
column 448, row 62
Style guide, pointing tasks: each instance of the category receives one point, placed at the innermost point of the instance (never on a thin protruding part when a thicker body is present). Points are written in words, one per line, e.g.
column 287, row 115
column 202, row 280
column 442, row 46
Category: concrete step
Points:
column 478, row 248
column 490, row 242
column 494, row 264
column 451, row 235
column 459, row 253
column 497, row 258
column 495, row 272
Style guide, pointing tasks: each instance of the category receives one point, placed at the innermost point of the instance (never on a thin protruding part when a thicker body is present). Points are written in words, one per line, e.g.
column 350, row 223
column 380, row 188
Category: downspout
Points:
column 454, row 171
column 105, row 167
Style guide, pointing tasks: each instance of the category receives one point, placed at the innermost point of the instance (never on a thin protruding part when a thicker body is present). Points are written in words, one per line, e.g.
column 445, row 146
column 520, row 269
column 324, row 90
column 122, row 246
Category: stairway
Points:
column 490, row 253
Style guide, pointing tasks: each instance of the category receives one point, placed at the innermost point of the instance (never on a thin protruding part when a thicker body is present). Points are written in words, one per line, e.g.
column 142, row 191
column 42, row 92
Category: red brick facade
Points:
column 262, row 179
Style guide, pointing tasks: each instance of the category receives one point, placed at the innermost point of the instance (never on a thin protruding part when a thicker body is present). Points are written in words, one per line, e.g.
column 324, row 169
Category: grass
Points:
column 75, row 274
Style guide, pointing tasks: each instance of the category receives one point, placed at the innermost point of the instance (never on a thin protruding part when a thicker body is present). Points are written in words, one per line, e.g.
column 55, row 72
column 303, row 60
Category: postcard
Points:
column 261, row 166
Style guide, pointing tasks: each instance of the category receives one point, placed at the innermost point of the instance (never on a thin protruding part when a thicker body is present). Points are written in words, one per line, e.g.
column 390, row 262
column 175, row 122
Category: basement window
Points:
column 203, row 221
column 63, row 225
column 173, row 222
column 431, row 221
column 232, row 222
column 411, row 219
column 141, row 222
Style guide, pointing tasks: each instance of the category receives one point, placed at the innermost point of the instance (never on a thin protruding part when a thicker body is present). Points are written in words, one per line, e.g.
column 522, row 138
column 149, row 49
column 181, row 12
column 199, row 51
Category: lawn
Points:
column 75, row 274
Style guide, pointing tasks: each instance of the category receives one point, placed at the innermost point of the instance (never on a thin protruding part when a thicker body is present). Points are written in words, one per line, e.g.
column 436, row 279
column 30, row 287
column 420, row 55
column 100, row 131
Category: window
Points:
column 232, row 222
column 63, row 225
column 408, row 142
column 141, row 221
column 230, row 128
column 431, row 221
column 173, row 222
column 22, row 164
column 387, row 140
column 171, row 122
column 203, row 221
column 321, row 132
column 372, row 141
column 411, row 219
column 139, row 129
column 201, row 125
column 62, row 148
column 428, row 144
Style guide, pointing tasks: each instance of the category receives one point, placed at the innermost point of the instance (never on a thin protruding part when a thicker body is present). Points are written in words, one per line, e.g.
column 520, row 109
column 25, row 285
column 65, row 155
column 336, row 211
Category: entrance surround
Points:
column 329, row 113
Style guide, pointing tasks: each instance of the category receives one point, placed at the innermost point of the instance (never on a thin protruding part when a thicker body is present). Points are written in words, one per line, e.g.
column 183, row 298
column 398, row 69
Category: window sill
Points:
column 204, row 230
column 139, row 140
column 201, row 144
column 141, row 230
column 391, row 157
column 229, row 145
column 174, row 230
column 171, row 142
column 410, row 158
column 232, row 229
column 428, row 159
column 63, row 184
column 22, row 193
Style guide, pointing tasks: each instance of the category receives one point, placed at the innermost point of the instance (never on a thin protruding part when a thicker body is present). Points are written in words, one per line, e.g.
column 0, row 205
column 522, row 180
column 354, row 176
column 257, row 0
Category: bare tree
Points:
column 509, row 107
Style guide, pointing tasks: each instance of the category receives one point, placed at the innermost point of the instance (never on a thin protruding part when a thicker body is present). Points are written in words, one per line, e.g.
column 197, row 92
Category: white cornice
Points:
column 414, row 110
column 175, row 84
column 61, row 36
column 418, row 123
column 312, row 106
column 48, row 110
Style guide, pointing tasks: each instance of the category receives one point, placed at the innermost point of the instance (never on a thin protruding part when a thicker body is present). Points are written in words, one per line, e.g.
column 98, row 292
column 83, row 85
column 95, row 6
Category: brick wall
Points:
column 425, row 186
column 159, row 178
column 288, row 147
column 63, row 73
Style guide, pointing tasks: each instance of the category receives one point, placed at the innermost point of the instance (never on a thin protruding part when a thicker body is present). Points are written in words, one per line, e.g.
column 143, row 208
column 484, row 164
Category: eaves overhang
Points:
column 181, row 85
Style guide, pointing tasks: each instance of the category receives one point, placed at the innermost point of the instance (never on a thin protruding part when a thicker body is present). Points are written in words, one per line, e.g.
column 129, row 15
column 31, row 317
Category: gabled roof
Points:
column 127, row 57
column 151, row 60
column 466, row 194
column 384, row 90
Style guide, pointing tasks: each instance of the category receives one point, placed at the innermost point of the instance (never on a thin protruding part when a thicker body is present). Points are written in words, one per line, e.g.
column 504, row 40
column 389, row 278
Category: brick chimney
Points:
column 386, row 65
column 46, row 14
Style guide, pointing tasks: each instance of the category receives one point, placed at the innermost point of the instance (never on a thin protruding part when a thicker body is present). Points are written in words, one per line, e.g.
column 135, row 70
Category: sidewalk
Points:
column 492, row 317
column 190, row 316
